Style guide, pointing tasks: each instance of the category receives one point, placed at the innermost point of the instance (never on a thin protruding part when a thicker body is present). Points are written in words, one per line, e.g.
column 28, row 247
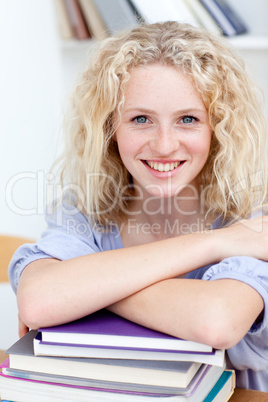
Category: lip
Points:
column 163, row 175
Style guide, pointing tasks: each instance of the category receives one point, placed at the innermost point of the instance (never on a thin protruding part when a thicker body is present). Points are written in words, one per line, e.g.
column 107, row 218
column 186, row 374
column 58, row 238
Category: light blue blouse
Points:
column 69, row 235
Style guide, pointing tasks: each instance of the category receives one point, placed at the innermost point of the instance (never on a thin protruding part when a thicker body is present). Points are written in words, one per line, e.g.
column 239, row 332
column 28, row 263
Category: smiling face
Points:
column 164, row 135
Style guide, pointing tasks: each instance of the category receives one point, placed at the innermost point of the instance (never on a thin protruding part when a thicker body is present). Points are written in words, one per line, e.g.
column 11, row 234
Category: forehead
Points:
column 162, row 83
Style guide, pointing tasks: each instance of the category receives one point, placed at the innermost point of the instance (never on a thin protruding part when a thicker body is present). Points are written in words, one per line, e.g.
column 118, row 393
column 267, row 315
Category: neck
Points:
column 153, row 219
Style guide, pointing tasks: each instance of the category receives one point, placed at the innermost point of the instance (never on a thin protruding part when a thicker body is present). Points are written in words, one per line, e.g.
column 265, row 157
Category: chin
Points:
column 163, row 193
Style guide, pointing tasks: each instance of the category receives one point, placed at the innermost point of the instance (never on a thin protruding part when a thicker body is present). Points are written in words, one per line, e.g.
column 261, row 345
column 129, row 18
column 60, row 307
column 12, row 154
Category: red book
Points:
column 77, row 19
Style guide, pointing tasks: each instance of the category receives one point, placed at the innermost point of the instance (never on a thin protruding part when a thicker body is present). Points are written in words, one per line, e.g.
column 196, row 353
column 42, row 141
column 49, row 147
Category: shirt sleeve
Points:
column 68, row 235
column 252, row 351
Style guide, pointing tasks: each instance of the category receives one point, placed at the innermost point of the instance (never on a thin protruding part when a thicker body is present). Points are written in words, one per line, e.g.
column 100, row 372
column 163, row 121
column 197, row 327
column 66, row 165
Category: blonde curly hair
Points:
column 234, row 179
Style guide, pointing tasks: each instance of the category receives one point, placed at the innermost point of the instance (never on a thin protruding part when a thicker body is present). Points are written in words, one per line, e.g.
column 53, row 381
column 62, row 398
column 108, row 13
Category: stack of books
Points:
column 97, row 19
column 103, row 357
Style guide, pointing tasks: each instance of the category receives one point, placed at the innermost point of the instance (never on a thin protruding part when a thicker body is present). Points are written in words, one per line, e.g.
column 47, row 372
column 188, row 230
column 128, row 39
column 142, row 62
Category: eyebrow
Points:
column 150, row 111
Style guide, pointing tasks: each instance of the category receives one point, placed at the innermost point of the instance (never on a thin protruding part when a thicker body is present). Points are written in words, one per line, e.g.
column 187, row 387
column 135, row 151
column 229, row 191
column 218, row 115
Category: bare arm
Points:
column 209, row 312
column 51, row 292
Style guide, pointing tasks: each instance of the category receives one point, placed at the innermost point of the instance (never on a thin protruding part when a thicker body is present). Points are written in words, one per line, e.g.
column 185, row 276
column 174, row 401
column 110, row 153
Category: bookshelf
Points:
column 254, row 14
column 242, row 42
column 250, row 42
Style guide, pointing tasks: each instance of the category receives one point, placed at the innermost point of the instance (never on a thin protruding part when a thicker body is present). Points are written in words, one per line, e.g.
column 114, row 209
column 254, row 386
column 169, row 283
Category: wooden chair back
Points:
column 8, row 246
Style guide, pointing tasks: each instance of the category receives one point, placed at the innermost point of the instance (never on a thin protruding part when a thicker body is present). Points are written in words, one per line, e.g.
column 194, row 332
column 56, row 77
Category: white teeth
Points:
column 163, row 167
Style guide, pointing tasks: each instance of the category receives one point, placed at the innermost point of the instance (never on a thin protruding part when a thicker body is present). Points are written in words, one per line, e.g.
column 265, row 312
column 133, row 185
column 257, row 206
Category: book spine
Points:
column 203, row 16
column 183, row 13
column 235, row 20
column 95, row 24
column 174, row 10
column 222, row 18
column 65, row 28
column 76, row 19
column 216, row 393
column 116, row 14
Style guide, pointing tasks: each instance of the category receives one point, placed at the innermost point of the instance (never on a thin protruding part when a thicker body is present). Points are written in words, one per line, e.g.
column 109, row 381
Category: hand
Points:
column 248, row 237
column 23, row 329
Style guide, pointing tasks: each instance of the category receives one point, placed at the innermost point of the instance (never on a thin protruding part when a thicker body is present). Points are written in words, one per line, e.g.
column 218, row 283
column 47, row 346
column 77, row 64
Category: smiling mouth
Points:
column 163, row 166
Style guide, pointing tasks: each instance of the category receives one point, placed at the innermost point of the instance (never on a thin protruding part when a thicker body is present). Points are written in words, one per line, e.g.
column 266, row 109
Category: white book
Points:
column 14, row 389
column 203, row 16
column 65, row 28
column 216, row 357
column 169, row 10
column 149, row 372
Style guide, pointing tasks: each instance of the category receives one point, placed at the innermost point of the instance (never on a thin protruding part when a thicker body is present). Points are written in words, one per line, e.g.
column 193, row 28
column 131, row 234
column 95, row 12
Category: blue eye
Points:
column 141, row 119
column 188, row 119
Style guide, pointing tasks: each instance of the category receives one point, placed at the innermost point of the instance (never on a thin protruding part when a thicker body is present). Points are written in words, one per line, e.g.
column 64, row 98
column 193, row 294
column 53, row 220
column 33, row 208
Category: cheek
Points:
column 123, row 147
column 126, row 149
column 201, row 147
column 128, row 145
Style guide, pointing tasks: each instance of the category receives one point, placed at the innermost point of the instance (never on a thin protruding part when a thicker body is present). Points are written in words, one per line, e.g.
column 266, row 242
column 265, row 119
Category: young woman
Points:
column 164, row 168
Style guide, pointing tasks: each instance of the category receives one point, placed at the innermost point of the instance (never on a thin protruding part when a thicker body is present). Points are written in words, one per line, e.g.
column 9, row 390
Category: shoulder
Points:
column 69, row 234
column 67, row 220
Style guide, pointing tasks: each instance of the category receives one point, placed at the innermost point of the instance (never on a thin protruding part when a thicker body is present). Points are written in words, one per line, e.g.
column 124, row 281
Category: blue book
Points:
column 227, row 19
column 39, row 391
column 223, row 389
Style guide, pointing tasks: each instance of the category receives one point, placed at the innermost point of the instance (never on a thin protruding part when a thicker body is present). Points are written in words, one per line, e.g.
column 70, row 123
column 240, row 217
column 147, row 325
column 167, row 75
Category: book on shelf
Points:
column 95, row 23
column 153, row 11
column 104, row 328
column 76, row 19
column 65, row 28
column 203, row 16
column 225, row 16
column 116, row 14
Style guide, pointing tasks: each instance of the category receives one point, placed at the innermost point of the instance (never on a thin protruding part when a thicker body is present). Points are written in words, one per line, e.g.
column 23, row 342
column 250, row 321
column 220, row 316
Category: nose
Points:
column 165, row 141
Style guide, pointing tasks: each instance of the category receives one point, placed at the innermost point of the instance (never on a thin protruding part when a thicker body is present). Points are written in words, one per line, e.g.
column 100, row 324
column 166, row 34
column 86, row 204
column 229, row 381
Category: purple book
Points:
column 104, row 328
